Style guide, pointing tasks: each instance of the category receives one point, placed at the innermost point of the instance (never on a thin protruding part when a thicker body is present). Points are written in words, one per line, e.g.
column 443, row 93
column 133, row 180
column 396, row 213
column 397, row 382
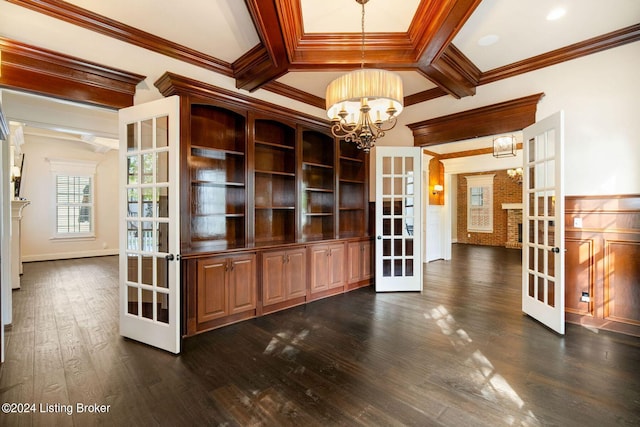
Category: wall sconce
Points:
column 15, row 173
column 437, row 189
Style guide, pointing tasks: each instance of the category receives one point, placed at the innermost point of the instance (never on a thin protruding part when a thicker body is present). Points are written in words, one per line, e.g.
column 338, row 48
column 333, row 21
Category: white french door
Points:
column 398, row 219
column 149, row 223
column 543, row 222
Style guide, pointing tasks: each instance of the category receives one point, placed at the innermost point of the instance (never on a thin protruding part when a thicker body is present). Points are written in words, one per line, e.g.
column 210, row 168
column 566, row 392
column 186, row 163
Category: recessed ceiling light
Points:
column 488, row 40
column 556, row 13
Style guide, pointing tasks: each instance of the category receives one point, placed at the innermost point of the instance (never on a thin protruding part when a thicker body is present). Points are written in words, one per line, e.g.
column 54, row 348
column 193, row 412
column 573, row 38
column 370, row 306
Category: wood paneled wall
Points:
column 603, row 260
column 436, row 177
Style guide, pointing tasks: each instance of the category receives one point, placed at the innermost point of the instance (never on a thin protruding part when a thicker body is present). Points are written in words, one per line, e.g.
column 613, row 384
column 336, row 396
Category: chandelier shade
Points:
column 381, row 90
column 364, row 104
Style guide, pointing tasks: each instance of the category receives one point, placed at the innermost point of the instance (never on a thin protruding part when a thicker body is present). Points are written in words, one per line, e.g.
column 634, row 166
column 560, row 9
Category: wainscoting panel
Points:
column 580, row 274
column 602, row 237
column 621, row 283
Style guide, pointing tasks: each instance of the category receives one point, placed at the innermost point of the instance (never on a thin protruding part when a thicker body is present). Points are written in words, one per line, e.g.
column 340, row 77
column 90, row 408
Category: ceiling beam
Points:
column 272, row 61
column 453, row 72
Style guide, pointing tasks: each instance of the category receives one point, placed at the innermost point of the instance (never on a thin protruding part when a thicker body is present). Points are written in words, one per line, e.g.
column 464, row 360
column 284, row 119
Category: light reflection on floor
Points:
column 491, row 385
column 286, row 341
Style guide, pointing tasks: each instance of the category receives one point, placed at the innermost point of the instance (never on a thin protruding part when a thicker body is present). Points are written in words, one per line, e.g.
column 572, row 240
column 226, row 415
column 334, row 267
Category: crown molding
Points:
column 42, row 71
column 84, row 18
column 596, row 44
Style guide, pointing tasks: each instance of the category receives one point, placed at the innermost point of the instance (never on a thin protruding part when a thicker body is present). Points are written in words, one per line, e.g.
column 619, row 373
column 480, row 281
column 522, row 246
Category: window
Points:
column 74, row 198
column 480, row 203
column 74, row 205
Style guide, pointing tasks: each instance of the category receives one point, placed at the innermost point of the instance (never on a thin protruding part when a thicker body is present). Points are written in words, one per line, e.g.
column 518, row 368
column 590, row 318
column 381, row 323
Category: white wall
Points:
column 39, row 216
column 600, row 95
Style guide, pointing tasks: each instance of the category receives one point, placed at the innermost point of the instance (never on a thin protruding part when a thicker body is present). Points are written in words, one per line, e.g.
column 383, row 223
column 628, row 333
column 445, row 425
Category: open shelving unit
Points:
column 352, row 188
column 217, row 171
column 318, row 185
column 275, row 182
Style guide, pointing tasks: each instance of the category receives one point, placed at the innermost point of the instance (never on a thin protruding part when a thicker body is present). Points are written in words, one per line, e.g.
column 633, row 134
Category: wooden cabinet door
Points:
column 296, row 273
column 273, row 277
column 353, row 262
column 212, row 290
column 366, row 261
column 320, row 268
column 242, row 284
column 336, row 264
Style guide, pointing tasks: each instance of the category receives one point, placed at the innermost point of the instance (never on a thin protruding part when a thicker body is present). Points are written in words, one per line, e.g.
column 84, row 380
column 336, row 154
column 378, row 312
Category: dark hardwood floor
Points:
column 459, row 354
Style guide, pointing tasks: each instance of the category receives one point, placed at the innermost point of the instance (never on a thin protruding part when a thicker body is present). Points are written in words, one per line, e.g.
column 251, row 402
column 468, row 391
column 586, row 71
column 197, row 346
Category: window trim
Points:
column 79, row 168
column 486, row 183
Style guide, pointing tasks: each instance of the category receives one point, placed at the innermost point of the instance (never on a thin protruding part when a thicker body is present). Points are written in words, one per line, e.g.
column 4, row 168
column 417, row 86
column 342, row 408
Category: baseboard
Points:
column 68, row 255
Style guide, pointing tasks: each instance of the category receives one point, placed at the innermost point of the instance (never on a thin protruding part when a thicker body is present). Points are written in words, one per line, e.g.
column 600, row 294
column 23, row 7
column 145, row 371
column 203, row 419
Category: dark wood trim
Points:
column 275, row 63
column 453, row 72
column 468, row 153
column 293, row 93
column 42, row 71
column 173, row 84
column 423, row 96
column 285, row 47
column 597, row 44
column 434, row 29
column 92, row 21
column 493, row 119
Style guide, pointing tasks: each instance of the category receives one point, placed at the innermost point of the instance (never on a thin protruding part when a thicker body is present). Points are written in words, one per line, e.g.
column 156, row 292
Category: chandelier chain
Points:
column 362, row 44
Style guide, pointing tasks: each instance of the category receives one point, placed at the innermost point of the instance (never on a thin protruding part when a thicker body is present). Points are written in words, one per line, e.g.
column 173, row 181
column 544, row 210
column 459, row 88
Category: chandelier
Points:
column 515, row 174
column 355, row 98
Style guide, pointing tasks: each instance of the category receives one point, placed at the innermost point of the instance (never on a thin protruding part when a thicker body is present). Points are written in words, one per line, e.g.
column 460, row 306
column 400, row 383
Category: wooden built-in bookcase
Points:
column 353, row 191
column 274, row 209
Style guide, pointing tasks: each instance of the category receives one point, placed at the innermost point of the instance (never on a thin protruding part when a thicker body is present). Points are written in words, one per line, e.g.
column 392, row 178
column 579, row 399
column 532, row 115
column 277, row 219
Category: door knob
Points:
column 169, row 257
column 555, row 250
column 379, row 237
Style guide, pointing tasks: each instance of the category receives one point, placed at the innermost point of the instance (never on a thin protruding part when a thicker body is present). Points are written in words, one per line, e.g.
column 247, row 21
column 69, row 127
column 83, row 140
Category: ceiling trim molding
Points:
column 443, row 25
column 508, row 116
column 423, row 96
column 276, row 63
column 174, row 84
column 567, row 53
column 453, row 72
column 84, row 18
column 293, row 93
column 285, row 47
column 37, row 70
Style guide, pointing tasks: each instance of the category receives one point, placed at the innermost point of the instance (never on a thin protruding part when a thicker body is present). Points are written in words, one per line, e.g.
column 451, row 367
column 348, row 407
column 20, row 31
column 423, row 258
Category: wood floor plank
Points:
column 459, row 353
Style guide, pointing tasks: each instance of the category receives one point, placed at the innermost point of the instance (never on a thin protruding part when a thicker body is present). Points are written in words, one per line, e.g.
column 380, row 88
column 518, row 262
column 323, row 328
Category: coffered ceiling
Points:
column 296, row 47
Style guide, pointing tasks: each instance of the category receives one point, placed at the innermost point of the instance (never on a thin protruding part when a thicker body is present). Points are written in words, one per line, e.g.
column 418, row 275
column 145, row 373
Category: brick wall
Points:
column 505, row 190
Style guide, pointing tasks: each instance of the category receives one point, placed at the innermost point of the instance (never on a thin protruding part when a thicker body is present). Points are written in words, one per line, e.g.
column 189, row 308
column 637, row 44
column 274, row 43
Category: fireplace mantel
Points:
column 507, row 206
